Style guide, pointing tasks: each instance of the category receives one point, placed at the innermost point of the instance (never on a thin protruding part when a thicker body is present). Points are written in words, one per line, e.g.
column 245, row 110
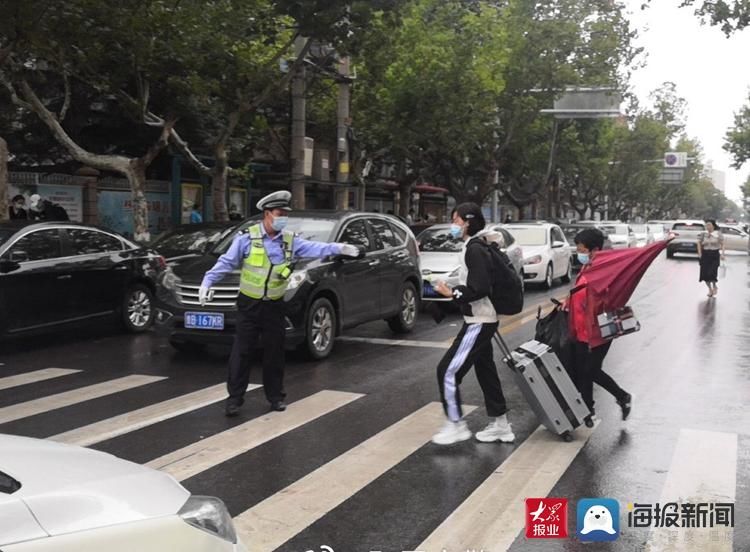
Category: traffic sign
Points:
column 675, row 159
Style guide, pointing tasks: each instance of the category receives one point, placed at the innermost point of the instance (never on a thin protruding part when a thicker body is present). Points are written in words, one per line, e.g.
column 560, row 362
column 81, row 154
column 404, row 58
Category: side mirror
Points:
column 558, row 245
column 7, row 266
column 19, row 256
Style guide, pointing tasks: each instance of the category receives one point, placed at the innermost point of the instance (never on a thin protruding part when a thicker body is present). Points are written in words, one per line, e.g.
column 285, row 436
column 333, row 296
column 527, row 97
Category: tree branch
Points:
column 13, row 94
column 32, row 102
column 160, row 143
column 66, row 101
column 183, row 147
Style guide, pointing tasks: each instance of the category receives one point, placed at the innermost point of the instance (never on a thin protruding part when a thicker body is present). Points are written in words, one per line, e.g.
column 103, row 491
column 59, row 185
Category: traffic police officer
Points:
column 265, row 252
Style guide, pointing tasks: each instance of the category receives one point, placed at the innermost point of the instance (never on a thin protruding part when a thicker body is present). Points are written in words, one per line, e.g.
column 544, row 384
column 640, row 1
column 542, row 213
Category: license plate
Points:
column 204, row 320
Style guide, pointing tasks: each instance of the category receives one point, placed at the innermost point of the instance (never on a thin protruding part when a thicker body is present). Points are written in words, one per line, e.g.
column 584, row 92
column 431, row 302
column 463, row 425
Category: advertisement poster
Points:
column 116, row 211
column 69, row 198
column 192, row 194
column 237, row 204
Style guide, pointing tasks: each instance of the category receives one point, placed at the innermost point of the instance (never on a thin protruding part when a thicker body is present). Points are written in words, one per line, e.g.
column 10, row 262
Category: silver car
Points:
column 440, row 256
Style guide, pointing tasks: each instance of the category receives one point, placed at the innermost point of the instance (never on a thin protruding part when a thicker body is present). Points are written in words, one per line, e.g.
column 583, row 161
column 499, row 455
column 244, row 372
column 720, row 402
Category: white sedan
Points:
column 440, row 255
column 735, row 238
column 546, row 253
column 62, row 498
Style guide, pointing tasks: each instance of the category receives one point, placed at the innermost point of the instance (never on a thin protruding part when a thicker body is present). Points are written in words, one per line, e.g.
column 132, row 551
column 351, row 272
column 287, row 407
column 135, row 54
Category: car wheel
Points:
column 321, row 328
column 137, row 310
column 568, row 274
column 406, row 318
column 548, row 279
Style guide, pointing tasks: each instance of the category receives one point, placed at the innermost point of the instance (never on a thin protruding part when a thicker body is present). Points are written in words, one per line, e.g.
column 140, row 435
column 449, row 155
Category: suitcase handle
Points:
column 505, row 351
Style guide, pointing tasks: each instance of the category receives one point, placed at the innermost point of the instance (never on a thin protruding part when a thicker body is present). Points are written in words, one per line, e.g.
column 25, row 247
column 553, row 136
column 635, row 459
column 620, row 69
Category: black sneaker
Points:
column 232, row 409
column 625, row 405
column 278, row 406
column 589, row 420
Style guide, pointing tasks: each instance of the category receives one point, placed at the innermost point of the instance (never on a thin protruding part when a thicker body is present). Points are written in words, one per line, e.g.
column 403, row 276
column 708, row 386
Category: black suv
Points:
column 324, row 297
column 56, row 273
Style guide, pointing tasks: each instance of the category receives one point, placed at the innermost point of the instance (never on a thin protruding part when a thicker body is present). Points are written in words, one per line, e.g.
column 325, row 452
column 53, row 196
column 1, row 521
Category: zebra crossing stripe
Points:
column 144, row 417
column 493, row 515
column 68, row 398
column 33, row 377
column 206, row 453
column 280, row 517
column 703, row 470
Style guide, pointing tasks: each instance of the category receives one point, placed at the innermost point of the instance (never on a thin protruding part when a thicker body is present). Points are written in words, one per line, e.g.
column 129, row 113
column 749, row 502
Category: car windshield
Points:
column 312, row 229
column 618, row 229
column 439, row 240
column 5, row 234
column 529, row 236
column 197, row 240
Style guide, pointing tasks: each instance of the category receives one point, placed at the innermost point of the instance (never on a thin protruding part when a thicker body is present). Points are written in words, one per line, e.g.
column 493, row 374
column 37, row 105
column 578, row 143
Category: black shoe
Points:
column 232, row 409
column 625, row 405
column 278, row 406
column 589, row 420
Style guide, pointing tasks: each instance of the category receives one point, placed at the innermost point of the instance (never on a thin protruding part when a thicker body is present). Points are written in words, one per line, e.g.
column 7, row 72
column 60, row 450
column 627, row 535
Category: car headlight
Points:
column 170, row 280
column 209, row 514
column 296, row 279
column 536, row 259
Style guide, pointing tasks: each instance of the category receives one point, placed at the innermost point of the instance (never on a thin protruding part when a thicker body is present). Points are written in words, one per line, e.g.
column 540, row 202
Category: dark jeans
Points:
column 472, row 347
column 588, row 371
column 264, row 320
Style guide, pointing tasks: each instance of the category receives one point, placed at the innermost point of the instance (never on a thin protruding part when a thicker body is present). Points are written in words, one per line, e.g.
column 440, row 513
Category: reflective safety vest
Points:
column 261, row 279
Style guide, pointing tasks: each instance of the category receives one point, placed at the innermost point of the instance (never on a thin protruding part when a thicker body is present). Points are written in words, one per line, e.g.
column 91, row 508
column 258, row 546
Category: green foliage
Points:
column 737, row 139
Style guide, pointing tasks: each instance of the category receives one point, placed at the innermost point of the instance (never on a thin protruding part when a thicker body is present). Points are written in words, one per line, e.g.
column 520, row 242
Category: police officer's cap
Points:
column 276, row 200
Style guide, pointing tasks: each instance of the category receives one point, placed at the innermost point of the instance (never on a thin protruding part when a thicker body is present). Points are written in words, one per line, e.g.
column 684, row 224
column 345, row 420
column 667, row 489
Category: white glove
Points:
column 203, row 295
column 349, row 250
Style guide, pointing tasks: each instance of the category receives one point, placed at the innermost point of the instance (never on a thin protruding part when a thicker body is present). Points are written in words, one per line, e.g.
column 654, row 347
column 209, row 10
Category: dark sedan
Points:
column 324, row 296
column 58, row 273
column 191, row 240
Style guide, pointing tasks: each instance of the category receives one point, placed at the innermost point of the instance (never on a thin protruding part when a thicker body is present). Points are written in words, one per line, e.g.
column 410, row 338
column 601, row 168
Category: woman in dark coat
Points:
column 711, row 252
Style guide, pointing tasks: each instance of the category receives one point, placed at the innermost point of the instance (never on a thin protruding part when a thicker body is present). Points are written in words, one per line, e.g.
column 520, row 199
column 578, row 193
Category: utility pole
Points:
column 297, row 154
column 4, row 215
column 343, row 165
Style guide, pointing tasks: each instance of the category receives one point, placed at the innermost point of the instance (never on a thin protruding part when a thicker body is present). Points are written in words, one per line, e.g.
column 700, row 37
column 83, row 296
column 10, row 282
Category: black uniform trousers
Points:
column 472, row 347
column 258, row 322
column 588, row 371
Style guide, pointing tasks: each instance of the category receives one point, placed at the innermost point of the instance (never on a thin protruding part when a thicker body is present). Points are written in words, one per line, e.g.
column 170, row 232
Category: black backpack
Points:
column 507, row 287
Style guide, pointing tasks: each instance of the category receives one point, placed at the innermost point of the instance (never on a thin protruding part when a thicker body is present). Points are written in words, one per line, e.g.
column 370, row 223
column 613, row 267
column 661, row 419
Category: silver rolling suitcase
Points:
column 546, row 386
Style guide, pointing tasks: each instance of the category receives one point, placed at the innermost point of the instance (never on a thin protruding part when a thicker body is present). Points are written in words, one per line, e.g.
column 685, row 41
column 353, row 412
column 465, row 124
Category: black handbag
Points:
column 553, row 330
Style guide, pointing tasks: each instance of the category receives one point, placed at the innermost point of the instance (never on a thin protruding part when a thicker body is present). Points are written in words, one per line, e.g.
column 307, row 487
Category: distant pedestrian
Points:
column 16, row 210
column 473, row 345
column 508, row 219
column 410, row 217
column 588, row 357
column 711, row 253
column 43, row 209
column 195, row 215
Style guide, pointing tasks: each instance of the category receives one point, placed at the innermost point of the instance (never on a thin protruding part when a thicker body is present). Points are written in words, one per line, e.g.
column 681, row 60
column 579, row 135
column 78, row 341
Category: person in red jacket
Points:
column 588, row 351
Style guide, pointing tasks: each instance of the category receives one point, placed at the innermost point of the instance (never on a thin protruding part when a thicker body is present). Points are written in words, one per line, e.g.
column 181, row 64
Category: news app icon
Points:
column 598, row 519
column 546, row 518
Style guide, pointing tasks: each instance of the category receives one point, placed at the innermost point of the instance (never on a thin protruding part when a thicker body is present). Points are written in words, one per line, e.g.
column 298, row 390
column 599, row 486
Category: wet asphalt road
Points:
column 688, row 434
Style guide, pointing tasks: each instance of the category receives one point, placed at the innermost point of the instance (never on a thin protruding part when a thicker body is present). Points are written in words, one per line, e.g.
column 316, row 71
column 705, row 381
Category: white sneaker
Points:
column 497, row 430
column 452, row 432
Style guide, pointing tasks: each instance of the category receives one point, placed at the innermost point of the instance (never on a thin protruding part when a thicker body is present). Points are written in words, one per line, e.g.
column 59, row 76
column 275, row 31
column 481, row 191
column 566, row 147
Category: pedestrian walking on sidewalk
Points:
column 473, row 345
column 265, row 252
column 710, row 253
column 587, row 359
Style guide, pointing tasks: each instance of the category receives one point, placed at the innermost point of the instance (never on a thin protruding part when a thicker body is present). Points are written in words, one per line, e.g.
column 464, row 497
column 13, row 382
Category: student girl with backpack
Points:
column 473, row 345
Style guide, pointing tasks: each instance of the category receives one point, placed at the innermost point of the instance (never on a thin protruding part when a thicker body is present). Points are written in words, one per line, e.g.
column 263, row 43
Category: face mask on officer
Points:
column 279, row 223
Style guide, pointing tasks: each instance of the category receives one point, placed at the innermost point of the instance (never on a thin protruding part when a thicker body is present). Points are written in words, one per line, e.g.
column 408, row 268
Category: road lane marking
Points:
column 144, row 417
column 202, row 455
column 396, row 342
column 68, row 398
column 280, row 517
column 35, row 376
column 703, row 470
column 493, row 515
